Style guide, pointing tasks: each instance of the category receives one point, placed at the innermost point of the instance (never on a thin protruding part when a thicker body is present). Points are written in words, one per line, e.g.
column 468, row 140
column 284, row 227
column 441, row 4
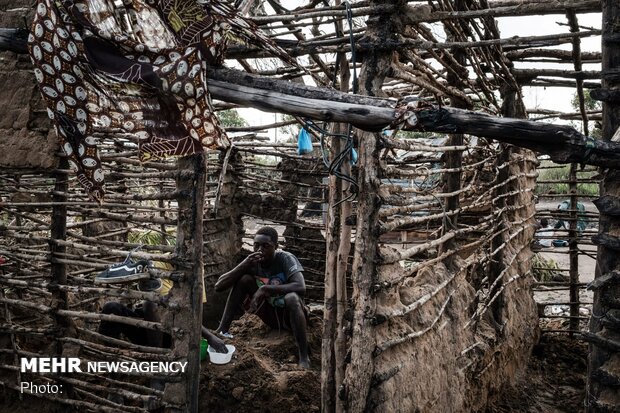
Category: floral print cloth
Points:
column 133, row 68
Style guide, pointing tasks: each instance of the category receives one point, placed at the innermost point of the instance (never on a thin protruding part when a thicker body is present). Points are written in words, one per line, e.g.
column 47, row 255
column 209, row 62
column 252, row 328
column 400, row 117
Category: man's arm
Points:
column 296, row 284
column 214, row 341
column 229, row 279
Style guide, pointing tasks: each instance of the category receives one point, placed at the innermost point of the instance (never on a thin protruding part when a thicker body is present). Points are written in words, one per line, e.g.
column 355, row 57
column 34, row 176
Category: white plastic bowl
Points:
column 221, row 358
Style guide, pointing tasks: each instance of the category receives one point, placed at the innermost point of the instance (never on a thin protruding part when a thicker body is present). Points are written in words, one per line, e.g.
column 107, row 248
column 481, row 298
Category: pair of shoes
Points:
column 225, row 334
column 149, row 285
column 124, row 272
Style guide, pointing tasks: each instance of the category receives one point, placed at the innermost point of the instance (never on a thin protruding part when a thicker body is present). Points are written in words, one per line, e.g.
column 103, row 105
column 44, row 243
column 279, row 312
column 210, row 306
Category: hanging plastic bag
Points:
column 353, row 156
column 304, row 143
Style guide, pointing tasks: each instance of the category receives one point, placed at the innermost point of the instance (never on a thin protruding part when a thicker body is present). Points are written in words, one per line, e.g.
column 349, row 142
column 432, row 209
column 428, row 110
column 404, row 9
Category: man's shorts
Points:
column 275, row 317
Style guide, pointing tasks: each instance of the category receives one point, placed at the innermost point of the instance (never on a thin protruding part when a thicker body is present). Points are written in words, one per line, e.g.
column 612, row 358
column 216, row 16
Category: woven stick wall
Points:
column 440, row 228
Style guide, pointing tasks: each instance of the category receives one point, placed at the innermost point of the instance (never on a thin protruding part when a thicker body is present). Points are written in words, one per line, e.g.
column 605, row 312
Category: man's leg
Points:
column 113, row 329
column 234, row 305
column 297, row 318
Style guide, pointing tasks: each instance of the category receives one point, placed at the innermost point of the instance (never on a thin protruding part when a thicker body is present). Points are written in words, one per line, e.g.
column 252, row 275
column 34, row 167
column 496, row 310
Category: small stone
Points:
column 237, row 393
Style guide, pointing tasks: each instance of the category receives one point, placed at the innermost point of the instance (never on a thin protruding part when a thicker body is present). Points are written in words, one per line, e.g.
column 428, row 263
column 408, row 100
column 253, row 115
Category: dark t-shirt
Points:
column 283, row 266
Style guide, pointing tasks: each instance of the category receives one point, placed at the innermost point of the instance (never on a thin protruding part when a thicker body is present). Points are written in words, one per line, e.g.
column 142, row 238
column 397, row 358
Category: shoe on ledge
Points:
column 127, row 271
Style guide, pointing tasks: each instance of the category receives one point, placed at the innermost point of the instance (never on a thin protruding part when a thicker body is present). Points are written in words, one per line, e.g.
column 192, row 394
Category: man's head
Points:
column 266, row 241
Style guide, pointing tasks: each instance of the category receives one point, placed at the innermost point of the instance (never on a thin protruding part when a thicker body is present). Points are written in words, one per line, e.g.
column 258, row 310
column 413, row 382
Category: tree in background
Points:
column 288, row 134
column 590, row 105
column 230, row 118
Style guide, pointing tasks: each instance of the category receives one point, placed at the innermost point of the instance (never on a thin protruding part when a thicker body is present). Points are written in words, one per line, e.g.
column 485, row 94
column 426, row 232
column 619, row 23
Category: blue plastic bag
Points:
column 304, row 143
column 353, row 156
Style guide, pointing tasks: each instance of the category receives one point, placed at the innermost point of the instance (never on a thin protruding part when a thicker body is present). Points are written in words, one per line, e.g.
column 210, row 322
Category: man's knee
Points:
column 112, row 307
column 293, row 302
column 246, row 281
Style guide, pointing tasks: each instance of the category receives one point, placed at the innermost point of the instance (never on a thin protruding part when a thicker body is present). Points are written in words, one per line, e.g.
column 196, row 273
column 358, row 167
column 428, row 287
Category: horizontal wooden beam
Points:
column 563, row 55
column 571, row 74
column 422, row 14
column 299, row 48
column 562, row 143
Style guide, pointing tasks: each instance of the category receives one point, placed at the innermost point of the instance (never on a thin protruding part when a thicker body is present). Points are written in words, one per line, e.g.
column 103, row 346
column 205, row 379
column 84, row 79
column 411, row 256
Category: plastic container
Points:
column 221, row 358
column 204, row 345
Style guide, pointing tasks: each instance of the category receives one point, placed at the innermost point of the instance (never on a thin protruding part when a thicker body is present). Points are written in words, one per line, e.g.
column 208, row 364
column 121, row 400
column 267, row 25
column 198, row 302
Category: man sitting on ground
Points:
column 270, row 284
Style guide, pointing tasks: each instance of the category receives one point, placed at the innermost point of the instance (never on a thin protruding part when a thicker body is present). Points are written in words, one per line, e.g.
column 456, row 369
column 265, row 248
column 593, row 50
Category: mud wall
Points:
column 25, row 136
column 453, row 339
column 451, row 334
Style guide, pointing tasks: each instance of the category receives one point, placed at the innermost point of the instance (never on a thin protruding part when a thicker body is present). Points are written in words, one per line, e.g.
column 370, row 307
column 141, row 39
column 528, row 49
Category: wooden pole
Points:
column 360, row 371
column 58, row 232
column 330, row 326
column 187, row 322
column 604, row 360
column 344, row 247
column 453, row 159
column 342, row 267
column 573, row 251
column 573, row 243
column 334, row 340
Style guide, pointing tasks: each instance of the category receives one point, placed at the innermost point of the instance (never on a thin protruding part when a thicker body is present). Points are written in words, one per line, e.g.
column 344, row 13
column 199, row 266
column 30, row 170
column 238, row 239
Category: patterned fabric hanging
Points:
column 132, row 68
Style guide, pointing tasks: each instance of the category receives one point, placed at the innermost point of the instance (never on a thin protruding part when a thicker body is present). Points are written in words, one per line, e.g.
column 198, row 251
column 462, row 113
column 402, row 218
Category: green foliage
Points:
column 544, row 270
column 561, row 172
column 414, row 135
column 230, row 118
column 151, row 238
column 590, row 105
column 589, row 102
column 289, row 132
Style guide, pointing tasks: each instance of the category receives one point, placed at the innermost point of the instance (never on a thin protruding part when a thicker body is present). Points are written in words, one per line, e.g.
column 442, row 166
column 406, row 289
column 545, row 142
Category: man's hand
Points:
column 257, row 299
column 229, row 279
column 251, row 260
column 214, row 341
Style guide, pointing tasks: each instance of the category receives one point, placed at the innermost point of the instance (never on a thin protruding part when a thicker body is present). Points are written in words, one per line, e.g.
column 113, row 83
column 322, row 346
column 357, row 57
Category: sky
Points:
column 553, row 98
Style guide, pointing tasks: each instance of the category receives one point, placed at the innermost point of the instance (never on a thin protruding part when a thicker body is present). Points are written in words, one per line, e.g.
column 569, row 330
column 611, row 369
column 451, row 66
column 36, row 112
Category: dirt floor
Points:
column 263, row 375
column 554, row 382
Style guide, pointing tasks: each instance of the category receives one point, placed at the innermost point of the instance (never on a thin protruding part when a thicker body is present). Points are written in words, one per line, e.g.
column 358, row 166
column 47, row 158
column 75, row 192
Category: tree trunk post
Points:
column 58, row 231
column 185, row 324
column 339, row 246
column 328, row 356
column 453, row 159
column 604, row 361
column 359, row 374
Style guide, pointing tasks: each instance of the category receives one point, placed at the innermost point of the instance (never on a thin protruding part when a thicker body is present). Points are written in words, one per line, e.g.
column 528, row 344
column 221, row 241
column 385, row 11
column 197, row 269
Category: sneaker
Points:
column 149, row 285
column 225, row 334
column 124, row 272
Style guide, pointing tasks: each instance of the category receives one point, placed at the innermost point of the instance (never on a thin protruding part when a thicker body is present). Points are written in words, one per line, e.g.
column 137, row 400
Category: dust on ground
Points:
column 263, row 375
column 554, row 382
